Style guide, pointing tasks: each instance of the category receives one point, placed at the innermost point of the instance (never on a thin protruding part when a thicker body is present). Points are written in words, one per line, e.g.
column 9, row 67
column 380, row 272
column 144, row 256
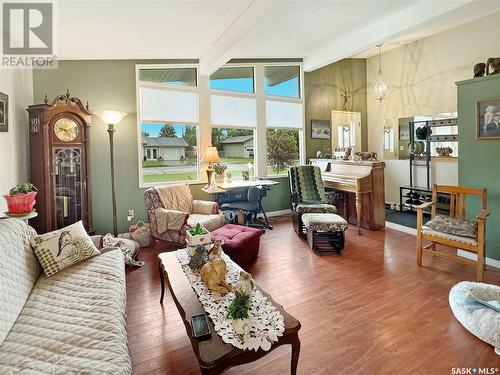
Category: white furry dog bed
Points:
column 481, row 321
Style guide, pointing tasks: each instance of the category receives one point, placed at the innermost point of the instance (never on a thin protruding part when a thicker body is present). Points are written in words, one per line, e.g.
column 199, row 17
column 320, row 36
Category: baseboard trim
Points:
column 489, row 261
column 461, row 253
column 279, row 213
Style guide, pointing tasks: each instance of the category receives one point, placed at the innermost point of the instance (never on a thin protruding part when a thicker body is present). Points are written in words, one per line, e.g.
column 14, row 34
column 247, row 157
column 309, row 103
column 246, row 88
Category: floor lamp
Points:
column 112, row 118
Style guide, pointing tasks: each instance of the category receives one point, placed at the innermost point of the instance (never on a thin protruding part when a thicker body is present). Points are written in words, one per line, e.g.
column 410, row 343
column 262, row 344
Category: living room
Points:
column 323, row 154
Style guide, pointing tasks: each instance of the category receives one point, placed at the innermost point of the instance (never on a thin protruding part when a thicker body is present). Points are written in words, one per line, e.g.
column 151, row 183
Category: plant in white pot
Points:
column 219, row 170
column 197, row 236
column 239, row 309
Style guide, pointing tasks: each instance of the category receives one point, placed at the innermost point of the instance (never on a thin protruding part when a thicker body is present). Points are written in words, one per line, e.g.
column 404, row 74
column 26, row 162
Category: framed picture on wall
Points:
column 488, row 119
column 320, row 129
column 4, row 112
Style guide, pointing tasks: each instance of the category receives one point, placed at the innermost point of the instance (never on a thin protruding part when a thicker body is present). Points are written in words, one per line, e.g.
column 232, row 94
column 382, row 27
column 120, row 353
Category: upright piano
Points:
column 363, row 184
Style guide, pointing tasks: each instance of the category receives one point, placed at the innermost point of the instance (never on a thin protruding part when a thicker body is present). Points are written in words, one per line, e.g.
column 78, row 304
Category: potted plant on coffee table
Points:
column 197, row 236
column 237, row 312
column 21, row 199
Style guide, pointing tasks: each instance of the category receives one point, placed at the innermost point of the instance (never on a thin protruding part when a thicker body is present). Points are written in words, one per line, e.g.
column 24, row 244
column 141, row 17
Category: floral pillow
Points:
column 454, row 226
column 62, row 248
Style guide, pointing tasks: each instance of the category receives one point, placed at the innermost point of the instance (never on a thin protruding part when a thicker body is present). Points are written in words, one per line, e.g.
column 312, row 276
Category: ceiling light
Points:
column 380, row 88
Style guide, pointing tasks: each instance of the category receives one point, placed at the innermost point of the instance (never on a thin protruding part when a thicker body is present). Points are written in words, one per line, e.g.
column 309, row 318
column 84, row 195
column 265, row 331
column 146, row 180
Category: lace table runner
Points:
column 267, row 323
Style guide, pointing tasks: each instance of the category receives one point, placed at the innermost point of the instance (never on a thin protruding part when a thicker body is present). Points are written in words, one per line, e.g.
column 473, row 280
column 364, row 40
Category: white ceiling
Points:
column 215, row 31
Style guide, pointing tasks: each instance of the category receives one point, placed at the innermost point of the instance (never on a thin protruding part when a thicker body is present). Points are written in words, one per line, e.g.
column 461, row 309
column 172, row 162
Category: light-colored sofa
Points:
column 70, row 323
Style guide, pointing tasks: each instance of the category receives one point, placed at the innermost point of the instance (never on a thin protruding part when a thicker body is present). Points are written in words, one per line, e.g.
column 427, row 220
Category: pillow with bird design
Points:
column 63, row 247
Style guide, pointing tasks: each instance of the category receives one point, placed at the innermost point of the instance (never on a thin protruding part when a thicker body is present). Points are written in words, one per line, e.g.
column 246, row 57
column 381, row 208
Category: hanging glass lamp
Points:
column 380, row 88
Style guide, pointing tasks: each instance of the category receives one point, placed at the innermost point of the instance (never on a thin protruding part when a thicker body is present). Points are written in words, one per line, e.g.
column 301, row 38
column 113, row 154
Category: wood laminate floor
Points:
column 370, row 311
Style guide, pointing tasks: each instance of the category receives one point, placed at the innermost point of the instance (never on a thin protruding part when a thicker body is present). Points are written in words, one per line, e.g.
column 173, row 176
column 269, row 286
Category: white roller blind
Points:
column 168, row 105
column 233, row 111
column 284, row 115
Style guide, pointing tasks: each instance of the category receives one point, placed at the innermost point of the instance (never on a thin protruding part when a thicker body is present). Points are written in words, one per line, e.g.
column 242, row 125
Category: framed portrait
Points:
column 4, row 112
column 488, row 118
column 320, row 129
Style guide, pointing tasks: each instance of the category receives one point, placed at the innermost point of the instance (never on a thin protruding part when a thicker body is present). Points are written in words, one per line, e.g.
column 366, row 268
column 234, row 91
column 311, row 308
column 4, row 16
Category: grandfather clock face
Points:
column 66, row 129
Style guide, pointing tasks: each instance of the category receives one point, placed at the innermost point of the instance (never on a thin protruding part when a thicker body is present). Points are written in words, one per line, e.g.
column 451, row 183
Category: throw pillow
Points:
column 454, row 226
column 62, row 248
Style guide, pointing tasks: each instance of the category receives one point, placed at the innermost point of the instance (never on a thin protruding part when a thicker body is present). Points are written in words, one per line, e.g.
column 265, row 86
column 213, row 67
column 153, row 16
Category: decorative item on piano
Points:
column 370, row 156
column 343, row 153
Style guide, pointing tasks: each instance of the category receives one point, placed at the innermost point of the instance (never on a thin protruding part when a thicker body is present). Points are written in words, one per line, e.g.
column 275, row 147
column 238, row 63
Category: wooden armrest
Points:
column 424, row 205
column 482, row 215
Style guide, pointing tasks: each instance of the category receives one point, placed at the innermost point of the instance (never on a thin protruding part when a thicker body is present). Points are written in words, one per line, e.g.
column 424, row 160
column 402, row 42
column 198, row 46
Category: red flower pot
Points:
column 19, row 204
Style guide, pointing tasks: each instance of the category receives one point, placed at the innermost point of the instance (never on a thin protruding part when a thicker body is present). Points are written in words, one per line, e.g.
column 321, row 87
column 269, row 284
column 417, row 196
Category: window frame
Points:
column 166, row 87
column 204, row 125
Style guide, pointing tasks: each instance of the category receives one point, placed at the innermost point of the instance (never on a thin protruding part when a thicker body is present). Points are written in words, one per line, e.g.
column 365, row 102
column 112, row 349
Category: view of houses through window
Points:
column 170, row 128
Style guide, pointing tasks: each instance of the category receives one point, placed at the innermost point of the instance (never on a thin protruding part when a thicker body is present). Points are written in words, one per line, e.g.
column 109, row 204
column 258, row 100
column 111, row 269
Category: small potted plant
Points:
column 219, row 170
column 237, row 312
column 197, row 236
column 21, row 199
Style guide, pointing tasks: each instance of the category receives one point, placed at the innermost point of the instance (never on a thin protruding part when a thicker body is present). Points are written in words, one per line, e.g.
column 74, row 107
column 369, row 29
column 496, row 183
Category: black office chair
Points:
column 252, row 206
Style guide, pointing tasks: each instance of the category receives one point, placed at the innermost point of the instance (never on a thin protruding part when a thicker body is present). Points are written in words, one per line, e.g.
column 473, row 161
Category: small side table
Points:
column 25, row 218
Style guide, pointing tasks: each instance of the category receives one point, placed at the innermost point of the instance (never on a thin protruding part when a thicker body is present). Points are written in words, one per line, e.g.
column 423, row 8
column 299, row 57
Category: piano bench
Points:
column 325, row 232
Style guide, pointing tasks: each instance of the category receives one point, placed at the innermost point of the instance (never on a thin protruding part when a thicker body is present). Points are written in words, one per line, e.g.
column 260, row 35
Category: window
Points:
column 238, row 79
column 252, row 112
column 283, row 150
column 173, row 76
column 169, row 152
column 282, row 81
column 236, row 149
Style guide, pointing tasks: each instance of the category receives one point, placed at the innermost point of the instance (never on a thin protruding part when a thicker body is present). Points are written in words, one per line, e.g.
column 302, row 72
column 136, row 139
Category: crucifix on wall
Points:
column 346, row 97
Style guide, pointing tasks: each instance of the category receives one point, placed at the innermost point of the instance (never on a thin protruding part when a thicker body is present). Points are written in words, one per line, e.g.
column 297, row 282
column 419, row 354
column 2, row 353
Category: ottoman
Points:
column 325, row 232
column 241, row 243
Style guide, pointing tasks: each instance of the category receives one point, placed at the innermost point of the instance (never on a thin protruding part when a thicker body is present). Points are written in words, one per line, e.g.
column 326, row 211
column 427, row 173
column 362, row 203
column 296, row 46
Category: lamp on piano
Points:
column 210, row 156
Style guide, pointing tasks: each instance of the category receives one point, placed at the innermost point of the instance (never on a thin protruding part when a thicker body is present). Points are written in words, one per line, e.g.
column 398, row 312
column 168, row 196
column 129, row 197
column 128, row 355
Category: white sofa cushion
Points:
column 72, row 323
column 19, row 270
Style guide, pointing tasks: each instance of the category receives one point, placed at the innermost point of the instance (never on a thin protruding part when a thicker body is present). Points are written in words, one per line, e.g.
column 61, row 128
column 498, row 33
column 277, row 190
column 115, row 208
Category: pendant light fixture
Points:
column 380, row 88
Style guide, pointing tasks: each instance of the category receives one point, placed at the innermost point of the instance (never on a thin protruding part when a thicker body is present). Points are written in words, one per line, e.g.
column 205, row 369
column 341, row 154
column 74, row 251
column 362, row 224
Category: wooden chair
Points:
column 458, row 203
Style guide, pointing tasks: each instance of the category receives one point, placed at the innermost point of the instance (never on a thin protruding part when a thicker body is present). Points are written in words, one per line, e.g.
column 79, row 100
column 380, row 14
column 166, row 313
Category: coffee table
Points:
column 214, row 355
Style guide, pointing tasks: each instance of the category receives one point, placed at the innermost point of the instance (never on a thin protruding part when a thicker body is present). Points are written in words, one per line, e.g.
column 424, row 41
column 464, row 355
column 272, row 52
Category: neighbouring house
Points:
column 238, row 147
column 160, row 148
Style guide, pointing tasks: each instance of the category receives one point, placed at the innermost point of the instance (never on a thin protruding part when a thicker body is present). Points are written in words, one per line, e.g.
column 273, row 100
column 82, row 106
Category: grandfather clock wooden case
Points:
column 59, row 149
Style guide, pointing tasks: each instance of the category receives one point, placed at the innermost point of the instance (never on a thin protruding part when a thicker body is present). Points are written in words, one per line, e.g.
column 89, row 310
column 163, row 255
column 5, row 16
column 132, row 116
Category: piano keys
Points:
column 363, row 184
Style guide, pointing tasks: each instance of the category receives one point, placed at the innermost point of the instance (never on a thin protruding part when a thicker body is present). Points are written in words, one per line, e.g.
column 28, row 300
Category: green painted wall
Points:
column 478, row 164
column 323, row 89
column 110, row 84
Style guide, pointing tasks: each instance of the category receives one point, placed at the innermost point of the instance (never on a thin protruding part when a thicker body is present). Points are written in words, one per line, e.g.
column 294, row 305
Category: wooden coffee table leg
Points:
column 295, row 354
column 162, row 283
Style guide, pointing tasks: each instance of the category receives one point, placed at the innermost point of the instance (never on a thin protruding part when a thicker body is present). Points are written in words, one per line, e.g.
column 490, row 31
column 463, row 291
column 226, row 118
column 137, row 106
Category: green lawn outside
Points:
column 227, row 160
column 152, row 163
column 163, row 163
column 170, row 177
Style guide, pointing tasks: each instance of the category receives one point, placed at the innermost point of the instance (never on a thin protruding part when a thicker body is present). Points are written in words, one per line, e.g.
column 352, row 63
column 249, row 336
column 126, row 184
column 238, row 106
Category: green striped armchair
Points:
column 307, row 194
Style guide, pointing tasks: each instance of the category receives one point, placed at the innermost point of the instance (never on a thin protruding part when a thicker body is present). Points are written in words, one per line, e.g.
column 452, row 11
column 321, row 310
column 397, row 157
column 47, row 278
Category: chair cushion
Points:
column 306, row 181
column 303, row 208
column 481, row 321
column 241, row 243
column 454, row 226
column 210, row 222
column 466, row 240
column 324, row 222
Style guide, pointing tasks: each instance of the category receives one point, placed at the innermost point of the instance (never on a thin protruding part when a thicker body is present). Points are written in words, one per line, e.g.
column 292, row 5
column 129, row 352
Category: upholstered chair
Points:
column 172, row 211
column 307, row 194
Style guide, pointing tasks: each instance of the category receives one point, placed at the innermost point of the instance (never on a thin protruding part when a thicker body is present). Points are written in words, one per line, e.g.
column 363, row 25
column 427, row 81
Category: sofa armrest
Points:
column 204, row 207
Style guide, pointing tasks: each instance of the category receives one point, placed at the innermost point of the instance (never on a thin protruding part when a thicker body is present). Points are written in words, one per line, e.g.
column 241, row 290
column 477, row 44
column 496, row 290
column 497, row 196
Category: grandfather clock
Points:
column 59, row 149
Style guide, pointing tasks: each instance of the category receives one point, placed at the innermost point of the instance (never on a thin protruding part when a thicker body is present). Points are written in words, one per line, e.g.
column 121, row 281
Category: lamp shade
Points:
column 211, row 155
column 111, row 117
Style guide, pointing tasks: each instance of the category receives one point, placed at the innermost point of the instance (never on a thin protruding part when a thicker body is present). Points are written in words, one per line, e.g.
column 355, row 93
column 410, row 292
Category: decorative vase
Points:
column 20, row 204
column 200, row 239
column 241, row 326
column 219, row 178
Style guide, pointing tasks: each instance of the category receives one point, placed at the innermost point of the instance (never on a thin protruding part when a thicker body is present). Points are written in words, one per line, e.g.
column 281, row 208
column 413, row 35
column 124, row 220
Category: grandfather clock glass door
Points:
column 67, row 185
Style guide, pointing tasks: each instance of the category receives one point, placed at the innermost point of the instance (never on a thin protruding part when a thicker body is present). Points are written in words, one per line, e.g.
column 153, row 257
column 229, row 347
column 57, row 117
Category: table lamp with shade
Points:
column 210, row 156
column 112, row 118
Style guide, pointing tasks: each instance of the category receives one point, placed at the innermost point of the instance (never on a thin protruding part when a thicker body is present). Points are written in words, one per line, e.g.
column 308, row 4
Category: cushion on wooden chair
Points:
column 453, row 226
column 447, row 236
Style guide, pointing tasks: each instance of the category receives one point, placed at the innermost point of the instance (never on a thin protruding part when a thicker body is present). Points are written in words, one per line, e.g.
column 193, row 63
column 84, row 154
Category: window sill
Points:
column 147, row 185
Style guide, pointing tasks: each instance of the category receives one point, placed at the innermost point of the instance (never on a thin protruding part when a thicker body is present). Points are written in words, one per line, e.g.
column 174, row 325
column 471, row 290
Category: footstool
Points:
column 241, row 243
column 325, row 232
